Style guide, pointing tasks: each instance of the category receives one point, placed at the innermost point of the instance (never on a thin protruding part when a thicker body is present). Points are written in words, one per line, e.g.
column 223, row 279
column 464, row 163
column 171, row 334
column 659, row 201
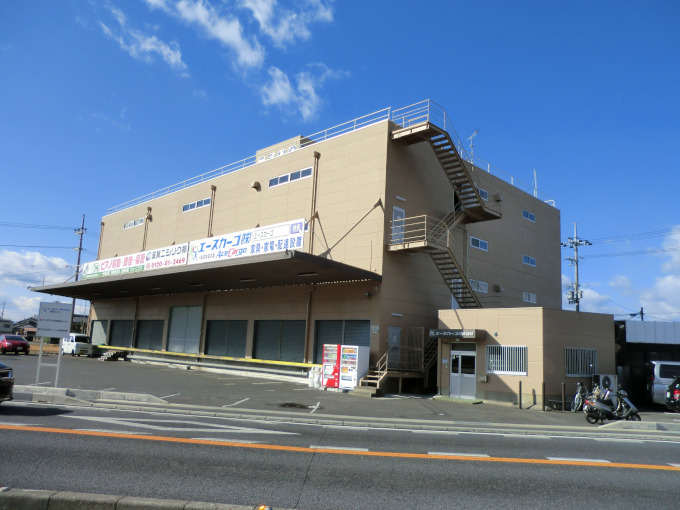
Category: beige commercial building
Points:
column 532, row 354
column 359, row 235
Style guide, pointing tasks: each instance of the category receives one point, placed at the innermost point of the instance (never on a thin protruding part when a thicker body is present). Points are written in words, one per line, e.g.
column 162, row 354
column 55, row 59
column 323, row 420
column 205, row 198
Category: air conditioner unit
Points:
column 605, row 381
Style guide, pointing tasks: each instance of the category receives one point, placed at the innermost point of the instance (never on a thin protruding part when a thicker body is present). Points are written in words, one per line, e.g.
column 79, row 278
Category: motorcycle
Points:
column 579, row 398
column 612, row 406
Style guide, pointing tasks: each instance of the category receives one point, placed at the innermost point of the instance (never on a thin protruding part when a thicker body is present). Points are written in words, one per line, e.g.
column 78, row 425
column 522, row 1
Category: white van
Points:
column 77, row 344
column 659, row 375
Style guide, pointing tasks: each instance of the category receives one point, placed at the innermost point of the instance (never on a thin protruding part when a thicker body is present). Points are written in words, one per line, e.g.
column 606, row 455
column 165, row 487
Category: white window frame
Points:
column 483, row 194
column 580, row 362
column 528, row 260
column 481, row 243
column 479, row 286
column 506, row 359
column 204, row 202
column 529, row 297
column 296, row 175
column 133, row 223
column 528, row 215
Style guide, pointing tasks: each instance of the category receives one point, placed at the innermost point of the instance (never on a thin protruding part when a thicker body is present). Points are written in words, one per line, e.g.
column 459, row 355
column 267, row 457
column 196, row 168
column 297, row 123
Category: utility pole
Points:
column 575, row 294
column 79, row 232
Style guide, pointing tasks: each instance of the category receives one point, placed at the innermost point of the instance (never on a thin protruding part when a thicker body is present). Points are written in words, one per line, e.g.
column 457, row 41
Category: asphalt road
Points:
column 301, row 466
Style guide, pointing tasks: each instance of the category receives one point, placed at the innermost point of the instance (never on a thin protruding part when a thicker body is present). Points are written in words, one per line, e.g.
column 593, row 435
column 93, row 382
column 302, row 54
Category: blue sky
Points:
column 104, row 101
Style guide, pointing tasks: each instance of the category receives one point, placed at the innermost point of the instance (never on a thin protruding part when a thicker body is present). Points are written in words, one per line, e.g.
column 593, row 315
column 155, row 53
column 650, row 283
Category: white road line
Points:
column 348, row 448
column 173, row 395
column 245, row 441
column 674, row 465
column 436, row 432
column 525, row 436
column 617, row 440
column 237, row 403
column 305, row 389
column 453, row 454
column 315, row 408
column 108, row 431
column 567, row 459
column 268, row 382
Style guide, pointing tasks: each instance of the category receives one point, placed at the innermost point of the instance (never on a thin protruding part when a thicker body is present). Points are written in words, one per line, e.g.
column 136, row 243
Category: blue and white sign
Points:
column 256, row 241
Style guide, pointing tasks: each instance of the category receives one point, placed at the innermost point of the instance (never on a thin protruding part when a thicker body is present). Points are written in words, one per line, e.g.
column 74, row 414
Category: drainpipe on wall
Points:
column 101, row 237
column 147, row 219
column 309, row 358
column 313, row 215
column 213, row 190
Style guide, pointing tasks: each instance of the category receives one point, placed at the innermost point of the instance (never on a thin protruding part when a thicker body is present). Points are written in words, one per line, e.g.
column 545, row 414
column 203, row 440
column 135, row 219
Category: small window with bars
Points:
column 579, row 362
column 506, row 359
column 479, row 286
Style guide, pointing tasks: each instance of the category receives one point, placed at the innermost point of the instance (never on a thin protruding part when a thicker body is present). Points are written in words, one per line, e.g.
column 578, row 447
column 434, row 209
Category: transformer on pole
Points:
column 575, row 294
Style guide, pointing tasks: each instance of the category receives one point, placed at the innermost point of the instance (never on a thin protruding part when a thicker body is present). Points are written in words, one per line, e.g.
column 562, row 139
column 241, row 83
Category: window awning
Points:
column 262, row 271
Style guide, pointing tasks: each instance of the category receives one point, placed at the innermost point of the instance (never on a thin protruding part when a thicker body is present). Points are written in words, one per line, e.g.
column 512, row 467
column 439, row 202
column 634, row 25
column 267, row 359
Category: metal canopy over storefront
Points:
column 262, row 271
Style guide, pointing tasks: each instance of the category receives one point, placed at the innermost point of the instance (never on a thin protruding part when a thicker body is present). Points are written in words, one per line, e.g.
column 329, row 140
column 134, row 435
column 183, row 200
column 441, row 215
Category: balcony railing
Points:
column 424, row 111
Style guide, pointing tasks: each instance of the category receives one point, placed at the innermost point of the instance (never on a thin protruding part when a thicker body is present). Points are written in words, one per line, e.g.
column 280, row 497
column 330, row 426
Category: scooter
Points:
column 612, row 406
column 579, row 398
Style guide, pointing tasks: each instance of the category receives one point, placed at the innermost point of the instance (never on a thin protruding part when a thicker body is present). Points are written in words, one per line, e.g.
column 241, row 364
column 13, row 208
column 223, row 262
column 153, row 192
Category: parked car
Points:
column 77, row 344
column 673, row 395
column 660, row 374
column 6, row 382
column 14, row 343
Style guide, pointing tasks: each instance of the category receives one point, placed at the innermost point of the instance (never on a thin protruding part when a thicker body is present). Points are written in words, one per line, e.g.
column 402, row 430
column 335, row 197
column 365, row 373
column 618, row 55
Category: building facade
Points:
column 356, row 235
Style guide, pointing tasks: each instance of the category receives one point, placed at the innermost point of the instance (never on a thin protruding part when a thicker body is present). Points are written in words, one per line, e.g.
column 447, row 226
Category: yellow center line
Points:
column 510, row 460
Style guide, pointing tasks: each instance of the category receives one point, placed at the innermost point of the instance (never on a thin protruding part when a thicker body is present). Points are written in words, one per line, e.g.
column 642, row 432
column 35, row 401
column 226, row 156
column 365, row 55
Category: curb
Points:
column 150, row 403
column 15, row 499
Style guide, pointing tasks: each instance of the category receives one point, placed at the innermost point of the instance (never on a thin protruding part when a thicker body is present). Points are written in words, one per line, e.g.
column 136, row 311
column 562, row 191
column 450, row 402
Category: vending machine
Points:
column 353, row 365
column 343, row 365
column 330, row 368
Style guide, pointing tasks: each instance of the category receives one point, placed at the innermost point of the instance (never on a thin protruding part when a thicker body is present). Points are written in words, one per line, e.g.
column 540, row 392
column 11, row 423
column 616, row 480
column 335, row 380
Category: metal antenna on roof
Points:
column 472, row 146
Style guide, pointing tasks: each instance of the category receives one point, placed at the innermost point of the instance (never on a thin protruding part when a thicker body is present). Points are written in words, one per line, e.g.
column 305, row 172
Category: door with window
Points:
column 463, row 374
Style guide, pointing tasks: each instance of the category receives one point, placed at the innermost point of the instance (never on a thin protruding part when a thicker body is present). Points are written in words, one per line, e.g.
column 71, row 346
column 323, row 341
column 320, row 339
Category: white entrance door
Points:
column 463, row 374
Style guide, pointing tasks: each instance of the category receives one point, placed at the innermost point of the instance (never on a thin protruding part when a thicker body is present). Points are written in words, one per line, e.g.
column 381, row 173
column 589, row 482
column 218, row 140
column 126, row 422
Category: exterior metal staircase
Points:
column 453, row 165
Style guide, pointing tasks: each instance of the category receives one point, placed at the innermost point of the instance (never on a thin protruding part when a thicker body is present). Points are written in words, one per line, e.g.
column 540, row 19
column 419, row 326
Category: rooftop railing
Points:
column 423, row 111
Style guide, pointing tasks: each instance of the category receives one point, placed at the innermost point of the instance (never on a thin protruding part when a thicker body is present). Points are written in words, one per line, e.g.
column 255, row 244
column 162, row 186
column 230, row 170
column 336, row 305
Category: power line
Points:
column 33, row 225
column 630, row 253
column 640, row 235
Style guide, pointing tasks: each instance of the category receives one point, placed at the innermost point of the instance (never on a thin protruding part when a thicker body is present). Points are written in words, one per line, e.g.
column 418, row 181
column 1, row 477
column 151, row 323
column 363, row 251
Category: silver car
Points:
column 659, row 375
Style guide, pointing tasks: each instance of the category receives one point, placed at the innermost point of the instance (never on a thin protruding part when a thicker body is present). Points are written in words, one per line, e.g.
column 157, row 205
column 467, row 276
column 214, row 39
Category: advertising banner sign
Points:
column 169, row 256
column 117, row 265
column 256, row 241
column 54, row 320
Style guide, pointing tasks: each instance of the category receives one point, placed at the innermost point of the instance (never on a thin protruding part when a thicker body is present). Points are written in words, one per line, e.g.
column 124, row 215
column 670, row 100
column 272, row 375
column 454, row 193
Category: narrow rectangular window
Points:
column 283, row 179
column 306, row 172
column 480, row 244
column 294, row 176
column 529, row 297
column 528, row 215
column 529, row 261
column 273, row 182
column 506, row 360
column 479, row 286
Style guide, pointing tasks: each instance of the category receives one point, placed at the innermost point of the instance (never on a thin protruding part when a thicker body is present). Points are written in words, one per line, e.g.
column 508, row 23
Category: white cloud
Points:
column 142, row 46
column 304, row 97
column 30, row 268
column 284, row 26
column 19, row 271
column 672, row 241
column 222, row 27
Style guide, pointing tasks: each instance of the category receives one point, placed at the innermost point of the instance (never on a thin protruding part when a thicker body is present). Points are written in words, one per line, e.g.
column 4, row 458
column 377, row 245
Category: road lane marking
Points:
column 268, row 382
column 173, row 395
column 170, row 425
column 236, row 403
column 569, row 459
column 314, row 408
column 446, row 432
column 618, row 440
column 343, row 448
column 300, row 449
column 451, row 454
